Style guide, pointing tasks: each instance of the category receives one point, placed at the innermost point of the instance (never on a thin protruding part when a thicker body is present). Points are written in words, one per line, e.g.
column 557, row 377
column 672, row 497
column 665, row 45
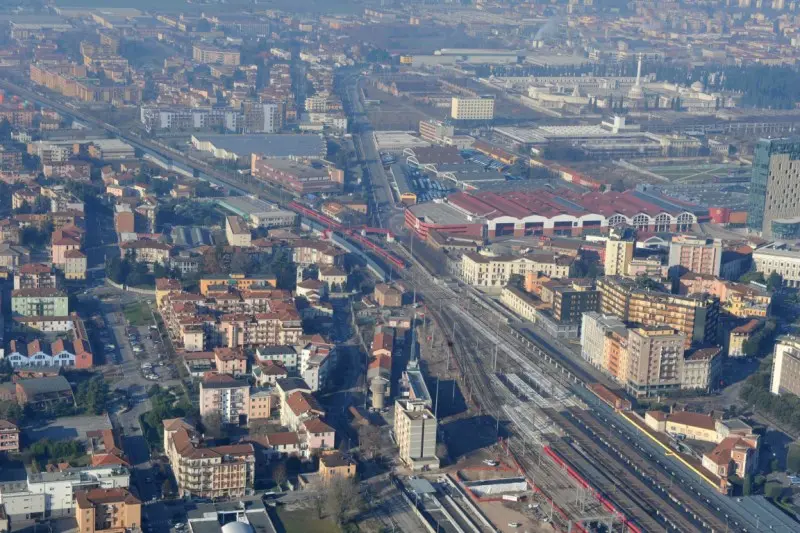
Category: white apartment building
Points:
column 482, row 270
column 595, row 328
column 477, row 108
column 52, row 494
column 786, row 366
column 237, row 231
column 779, row 257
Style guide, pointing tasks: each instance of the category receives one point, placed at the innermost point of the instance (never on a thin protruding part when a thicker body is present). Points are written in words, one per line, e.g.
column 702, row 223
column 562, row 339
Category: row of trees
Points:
column 164, row 405
column 784, row 408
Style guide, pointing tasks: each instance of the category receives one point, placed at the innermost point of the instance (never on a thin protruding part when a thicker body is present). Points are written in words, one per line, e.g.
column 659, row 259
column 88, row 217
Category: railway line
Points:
column 618, row 483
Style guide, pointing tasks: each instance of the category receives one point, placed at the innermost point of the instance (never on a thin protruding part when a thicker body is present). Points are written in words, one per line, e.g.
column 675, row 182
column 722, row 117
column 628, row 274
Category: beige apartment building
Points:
column 415, row 431
column 695, row 254
column 237, row 231
column 702, row 368
column 112, row 510
column 786, row 366
column 207, row 472
column 9, row 437
column 619, row 254
column 655, row 360
column 475, row 108
column 483, row 270
column 694, row 315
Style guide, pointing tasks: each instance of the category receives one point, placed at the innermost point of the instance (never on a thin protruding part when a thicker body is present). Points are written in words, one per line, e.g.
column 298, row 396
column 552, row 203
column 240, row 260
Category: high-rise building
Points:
column 415, row 431
column 774, row 197
column 476, row 108
column 655, row 360
column 695, row 254
column 435, row 130
column 619, row 253
column 786, row 366
column 694, row 315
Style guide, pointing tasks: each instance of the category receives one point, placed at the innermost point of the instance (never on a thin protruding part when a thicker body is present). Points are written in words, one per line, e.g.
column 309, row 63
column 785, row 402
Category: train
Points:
column 350, row 233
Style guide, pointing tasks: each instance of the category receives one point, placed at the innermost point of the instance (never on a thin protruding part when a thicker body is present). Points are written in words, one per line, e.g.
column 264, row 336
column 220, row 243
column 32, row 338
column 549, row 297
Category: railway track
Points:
column 675, row 495
column 616, row 481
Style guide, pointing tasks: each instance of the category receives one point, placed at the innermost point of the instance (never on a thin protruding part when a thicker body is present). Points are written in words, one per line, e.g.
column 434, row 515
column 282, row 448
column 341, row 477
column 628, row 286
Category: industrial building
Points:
column 233, row 147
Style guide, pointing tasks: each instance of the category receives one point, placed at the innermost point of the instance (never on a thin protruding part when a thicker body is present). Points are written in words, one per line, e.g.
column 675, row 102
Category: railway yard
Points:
column 558, row 431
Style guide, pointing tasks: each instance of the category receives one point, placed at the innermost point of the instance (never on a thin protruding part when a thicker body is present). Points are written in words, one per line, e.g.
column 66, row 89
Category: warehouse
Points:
column 232, row 147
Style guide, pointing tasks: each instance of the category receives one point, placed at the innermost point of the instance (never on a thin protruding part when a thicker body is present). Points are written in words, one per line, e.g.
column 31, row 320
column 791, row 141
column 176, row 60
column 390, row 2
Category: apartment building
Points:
column 571, row 300
column 336, row 465
column 124, row 219
column 52, row 494
column 596, row 330
column 774, row 205
column 310, row 252
column 75, row 265
column 415, row 429
column 107, row 510
column 387, row 296
column 237, row 231
column 35, row 276
column 9, row 437
column 619, row 253
column 277, row 328
column 435, row 131
column 688, row 253
column 207, row 472
column 740, row 335
column 482, row 270
column 655, row 360
column 702, row 368
column 694, row 315
column 477, row 108
column 786, row 366
column 214, row 55
column 226, row 396
column 737, row 299
column 147, row 251
column 39, row 302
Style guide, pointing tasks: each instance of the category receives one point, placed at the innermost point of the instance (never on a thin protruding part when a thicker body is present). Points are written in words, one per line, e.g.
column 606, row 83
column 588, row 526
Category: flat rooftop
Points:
column 269, row 145
column 440, row 213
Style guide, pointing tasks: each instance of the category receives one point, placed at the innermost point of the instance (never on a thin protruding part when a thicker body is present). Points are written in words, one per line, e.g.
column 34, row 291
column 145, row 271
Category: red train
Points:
column 350, row 233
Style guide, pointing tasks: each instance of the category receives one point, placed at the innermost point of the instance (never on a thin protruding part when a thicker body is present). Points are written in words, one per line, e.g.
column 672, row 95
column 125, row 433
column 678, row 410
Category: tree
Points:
column 343, row 499
column 213, row 426
column 793, row 458
column 5, row 130
column 166, row 489
column 774, row 282
column 241, row 263
column 279, row 474
column 369, row 441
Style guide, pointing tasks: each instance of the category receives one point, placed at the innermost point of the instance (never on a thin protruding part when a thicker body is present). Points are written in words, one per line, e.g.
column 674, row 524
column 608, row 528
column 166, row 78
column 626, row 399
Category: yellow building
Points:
column 619, row 254
column 740, row 335
column 335, row 465
column 239, row 281
column 695, row 426
column 112, row 510
column 75, row 264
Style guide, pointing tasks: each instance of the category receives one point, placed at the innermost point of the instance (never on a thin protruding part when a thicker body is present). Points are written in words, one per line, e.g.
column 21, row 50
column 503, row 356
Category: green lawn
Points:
column 138, row 314
column 305, row 521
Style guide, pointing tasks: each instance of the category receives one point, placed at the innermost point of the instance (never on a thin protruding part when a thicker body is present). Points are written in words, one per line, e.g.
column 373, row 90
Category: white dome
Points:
column 698, row 87
column 237, row 527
